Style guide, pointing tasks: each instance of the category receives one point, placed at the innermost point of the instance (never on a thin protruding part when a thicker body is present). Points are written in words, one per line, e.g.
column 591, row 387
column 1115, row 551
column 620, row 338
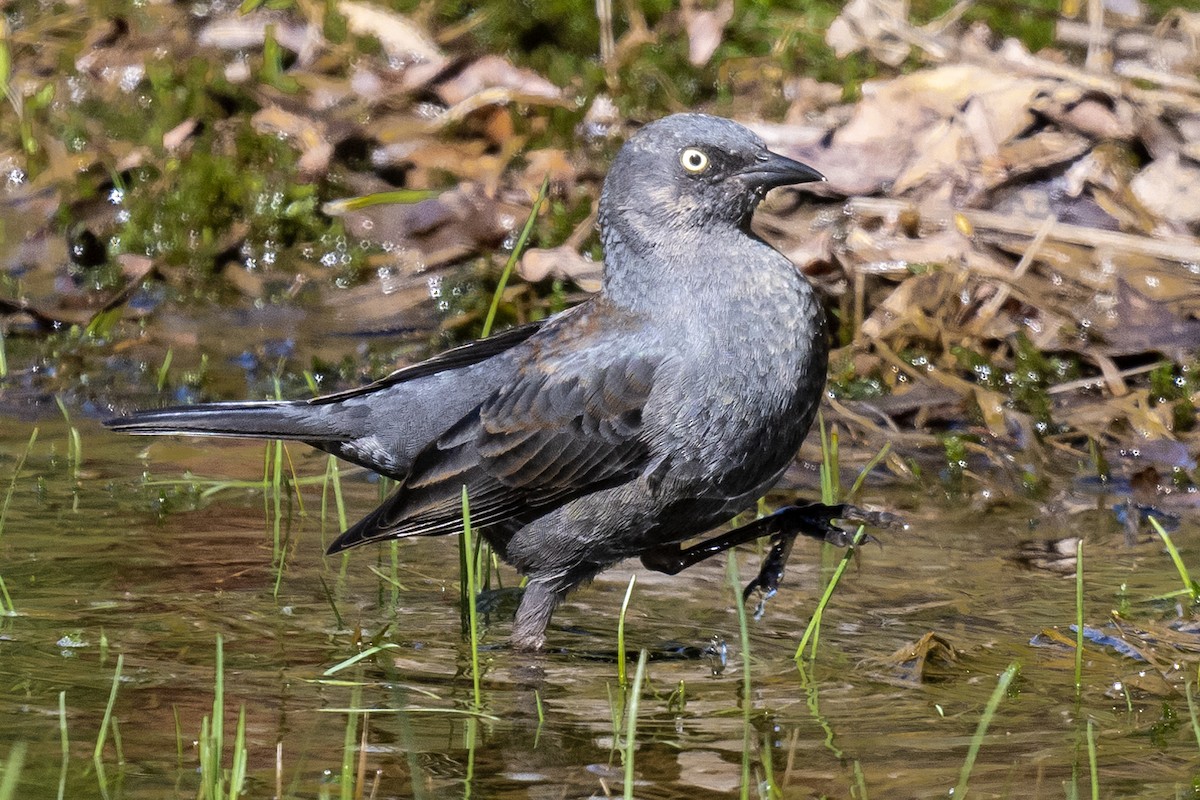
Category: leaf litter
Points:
column 1008, row 237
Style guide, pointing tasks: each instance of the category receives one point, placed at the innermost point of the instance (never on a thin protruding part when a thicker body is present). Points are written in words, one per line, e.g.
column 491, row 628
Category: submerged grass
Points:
column 1093, row 769
column 12, row 484
column 1192, row 714
column 64, row 739
column 347, row 780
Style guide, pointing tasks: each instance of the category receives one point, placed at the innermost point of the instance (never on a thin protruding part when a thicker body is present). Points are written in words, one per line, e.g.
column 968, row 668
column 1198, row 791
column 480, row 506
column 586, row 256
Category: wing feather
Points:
column 562, row 428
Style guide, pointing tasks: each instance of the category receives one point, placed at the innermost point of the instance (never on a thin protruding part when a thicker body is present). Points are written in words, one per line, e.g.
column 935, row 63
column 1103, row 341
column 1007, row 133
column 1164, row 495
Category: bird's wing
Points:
column 461, row 356
column 562, row 428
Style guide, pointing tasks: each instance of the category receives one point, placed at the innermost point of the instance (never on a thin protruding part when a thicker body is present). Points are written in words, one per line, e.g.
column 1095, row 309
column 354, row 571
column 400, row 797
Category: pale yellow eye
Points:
column 693, row 160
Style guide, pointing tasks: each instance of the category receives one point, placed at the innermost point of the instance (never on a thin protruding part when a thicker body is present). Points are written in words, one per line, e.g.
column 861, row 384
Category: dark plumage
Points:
column 653, row 412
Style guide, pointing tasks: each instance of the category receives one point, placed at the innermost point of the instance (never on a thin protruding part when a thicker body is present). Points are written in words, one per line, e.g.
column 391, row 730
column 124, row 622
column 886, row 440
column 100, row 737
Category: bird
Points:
column 647, row 415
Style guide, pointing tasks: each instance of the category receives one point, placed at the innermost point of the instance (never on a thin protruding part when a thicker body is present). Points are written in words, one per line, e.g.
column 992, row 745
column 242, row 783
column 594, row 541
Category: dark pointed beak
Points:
column 772, row 170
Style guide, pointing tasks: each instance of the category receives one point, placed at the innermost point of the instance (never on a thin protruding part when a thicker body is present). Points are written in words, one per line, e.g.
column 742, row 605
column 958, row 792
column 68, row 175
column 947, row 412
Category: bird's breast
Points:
column 748, row 376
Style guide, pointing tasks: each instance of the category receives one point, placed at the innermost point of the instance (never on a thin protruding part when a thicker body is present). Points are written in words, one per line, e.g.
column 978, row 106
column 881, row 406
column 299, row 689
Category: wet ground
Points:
column 199, row 203
column 102, row 561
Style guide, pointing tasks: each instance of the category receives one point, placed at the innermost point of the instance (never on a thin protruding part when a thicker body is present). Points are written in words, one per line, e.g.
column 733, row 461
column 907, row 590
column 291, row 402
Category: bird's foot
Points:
column 814, row 520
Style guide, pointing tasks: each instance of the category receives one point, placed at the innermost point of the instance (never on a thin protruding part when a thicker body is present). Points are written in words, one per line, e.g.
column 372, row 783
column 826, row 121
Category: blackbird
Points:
column 656, row 410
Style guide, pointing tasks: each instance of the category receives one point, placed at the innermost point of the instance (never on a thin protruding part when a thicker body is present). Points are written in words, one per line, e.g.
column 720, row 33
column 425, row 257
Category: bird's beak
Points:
column 773, row 170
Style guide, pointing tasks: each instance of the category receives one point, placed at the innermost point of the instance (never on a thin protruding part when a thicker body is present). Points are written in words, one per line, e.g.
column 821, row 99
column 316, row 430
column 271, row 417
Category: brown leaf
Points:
column 1143, row 325
column 1170, row 188
column 560, row 262
column 402, row 39
column 705, row 28
column 492, row 72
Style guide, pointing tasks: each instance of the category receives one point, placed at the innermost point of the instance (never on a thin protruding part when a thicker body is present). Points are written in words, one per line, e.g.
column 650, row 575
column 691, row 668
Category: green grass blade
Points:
column 105, row 723
column 513, row 256
column 336, row 208
column 237, row 772
column 1093, row 769
column 472, row 604
column 1078, row 617
column 631, row 715
column 735, row 581
column 812, row 631
column 64, row 744
column 349, row 743
column 12, row 484
column 1189, row 585
column 12, row 771
column 989, row 711
column 164, row 369
column 866, row 470
column 621, row 660
column 1191, row 702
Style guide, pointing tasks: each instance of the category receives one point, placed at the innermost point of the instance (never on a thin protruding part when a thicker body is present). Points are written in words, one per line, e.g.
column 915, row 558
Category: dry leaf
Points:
column 705, row 28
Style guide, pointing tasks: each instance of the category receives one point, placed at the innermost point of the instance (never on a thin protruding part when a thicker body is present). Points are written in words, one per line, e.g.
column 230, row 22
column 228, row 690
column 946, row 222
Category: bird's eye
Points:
column 693, row 160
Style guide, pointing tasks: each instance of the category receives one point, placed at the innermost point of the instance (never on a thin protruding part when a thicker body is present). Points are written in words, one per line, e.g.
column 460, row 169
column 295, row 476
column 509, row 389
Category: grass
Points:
column 106, row 724
column 989, row 711
column 217, row 783
column 518, row 248
column 64, row 739
column 12, row 484
column 830, row 494
column 1093, row 769
column 1192, row 714
column 350, row 738
column 7, row 608
column 812, row 632
column 1078, row 617
column 12, row 771
column 621, row 652
column 1190, row 587
column 631, row 718
column 74, row 447
column 164, row 370
column 747, row 698
column 468, row 552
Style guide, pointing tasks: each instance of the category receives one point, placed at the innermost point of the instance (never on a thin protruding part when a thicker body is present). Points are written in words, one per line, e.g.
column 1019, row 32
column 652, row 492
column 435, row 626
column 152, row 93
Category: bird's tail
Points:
column 256, row 420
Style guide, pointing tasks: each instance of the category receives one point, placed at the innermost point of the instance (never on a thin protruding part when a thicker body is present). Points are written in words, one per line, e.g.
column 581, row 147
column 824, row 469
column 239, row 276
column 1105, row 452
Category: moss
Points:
column 1175, row 385
column 1031, row 21
column 846, row 384
column 1027, row 384
column 189, row 213
column 954, row 448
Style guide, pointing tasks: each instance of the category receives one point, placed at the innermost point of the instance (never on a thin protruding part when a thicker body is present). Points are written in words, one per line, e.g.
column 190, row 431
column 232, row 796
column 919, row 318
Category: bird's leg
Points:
column 814, row 520
column 538, row 602
column 810, row 519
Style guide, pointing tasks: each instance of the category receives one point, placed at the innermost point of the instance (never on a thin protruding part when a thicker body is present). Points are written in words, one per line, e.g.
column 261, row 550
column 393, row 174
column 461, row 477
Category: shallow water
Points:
column 101, row 565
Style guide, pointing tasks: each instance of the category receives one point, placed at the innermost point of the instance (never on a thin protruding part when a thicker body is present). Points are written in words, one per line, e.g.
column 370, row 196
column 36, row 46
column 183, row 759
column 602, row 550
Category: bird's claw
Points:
column 814, row 520
column 872, row 519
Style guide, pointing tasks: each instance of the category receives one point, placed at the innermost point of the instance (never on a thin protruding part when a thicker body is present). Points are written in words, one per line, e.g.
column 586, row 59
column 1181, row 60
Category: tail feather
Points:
column 257, row 420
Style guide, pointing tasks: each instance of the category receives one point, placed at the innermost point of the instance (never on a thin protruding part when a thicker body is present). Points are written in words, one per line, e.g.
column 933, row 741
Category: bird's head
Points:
column 693, row 170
